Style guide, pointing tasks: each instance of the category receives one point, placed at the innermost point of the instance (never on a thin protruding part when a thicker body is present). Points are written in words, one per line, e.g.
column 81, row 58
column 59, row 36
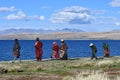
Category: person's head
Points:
column 37, row 39
column 91, row 44
column 16, row 40
column 62, row 41
column 54, row 43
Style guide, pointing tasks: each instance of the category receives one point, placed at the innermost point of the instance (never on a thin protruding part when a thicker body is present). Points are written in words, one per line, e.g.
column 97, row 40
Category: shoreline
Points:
column 50, row 59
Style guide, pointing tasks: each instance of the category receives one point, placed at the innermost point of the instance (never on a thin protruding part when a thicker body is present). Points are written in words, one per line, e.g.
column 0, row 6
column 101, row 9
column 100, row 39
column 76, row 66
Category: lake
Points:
column 76, row 48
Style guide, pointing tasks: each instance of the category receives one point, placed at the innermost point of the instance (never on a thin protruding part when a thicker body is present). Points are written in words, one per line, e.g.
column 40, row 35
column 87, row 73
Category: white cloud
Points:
column 44, row 7
column 22, row 16
column 101, row 22
column 18, row 16
column 7, row 9
column 73, row 15
column 115, row 3
column 99, row 12
column 117, row 23
column 36, row 17
column 41, row 17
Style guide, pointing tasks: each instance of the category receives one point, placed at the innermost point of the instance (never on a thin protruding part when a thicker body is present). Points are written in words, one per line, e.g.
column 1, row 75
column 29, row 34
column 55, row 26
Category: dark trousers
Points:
column 94, row 56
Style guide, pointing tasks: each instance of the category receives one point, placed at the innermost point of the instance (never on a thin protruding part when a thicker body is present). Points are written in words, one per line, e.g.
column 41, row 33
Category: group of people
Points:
column 55, row 50
column 38, row 50
column 62, row 49
column 94, row 50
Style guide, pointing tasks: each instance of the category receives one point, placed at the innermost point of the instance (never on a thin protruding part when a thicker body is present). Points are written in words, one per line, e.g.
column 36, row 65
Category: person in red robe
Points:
column 55, row 51
column 38, row 49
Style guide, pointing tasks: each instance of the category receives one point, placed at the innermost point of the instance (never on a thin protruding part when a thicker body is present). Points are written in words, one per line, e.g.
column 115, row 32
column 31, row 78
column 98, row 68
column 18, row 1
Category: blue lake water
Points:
column 76, row 48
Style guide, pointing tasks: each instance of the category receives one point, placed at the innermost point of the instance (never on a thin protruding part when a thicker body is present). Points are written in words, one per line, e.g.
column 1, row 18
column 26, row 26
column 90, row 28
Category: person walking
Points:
column 94, row 50
column 16, row 50
column 38, row 49
column 106, row 50
column 55, row 51
column 63, row 50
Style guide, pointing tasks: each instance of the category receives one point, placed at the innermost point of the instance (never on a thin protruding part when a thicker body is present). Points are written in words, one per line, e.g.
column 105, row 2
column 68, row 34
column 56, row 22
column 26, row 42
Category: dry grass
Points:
column 58, row 69
column 90, row 76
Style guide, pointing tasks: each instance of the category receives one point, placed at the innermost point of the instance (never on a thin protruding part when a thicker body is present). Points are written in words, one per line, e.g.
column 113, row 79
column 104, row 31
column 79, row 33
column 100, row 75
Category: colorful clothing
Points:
column 16, row 49
column 63, row 51
column 106, row 50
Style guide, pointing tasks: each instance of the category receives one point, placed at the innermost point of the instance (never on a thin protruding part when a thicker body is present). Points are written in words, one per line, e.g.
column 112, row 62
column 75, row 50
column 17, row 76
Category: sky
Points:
column 86, row 15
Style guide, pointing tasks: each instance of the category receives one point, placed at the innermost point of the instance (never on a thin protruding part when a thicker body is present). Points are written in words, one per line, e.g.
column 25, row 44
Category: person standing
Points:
column 38, row 49
column 16, row 50
column 63, row 50
column 94, row 50
column 106, row 50
column 55, row 51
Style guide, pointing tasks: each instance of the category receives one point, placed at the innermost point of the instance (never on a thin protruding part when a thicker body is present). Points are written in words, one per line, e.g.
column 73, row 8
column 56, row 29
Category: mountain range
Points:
column 36, row 31
column 31, row 34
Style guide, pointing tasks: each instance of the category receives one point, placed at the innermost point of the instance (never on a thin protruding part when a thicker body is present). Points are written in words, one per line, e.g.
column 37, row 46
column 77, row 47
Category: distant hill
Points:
column 36, row 31
column 112, row 35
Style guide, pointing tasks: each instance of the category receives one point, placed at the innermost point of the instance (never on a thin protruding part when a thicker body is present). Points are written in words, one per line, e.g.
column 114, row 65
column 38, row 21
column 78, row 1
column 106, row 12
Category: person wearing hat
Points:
column 63, row 50
column 94, row 50
column 55, row 51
